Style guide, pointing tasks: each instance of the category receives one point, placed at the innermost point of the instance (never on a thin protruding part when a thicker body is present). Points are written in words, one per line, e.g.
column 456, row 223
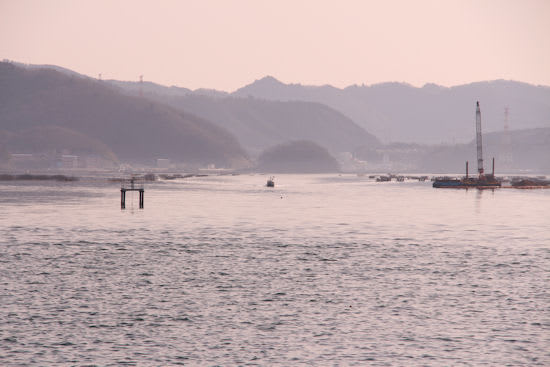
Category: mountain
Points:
column 398, row 112
column 149, row 88
column 297, row 157
column 4, row 156
column 40, row 139
column 516, row 151
column 61, row 69
column 261, row 123
column 94, row 112
column 134, row 121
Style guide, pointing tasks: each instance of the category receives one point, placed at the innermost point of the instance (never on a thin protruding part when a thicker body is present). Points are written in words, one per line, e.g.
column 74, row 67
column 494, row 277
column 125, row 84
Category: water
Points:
column 320, row 270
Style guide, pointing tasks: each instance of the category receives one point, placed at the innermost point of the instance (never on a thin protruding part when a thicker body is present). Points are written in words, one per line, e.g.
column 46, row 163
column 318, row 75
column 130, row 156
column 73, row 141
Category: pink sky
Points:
column 226, row 44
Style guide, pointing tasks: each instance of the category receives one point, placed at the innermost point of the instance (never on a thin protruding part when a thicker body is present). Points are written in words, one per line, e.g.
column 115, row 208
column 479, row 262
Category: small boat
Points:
column 270, row 182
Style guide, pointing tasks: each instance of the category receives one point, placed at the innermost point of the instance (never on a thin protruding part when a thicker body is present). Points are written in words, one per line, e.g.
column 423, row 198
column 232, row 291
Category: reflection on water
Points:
column 318, row 270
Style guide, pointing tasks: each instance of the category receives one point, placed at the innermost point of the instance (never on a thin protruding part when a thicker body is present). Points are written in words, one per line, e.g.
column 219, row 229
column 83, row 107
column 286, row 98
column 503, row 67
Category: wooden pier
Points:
column 132, row 187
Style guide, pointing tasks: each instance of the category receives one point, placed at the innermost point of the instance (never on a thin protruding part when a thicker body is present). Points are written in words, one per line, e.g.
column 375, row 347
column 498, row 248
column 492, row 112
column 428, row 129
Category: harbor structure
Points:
column 131, row 185
column 483, row 180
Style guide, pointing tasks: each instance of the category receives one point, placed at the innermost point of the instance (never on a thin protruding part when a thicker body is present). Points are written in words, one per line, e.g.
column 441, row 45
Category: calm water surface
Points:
column 320, row 270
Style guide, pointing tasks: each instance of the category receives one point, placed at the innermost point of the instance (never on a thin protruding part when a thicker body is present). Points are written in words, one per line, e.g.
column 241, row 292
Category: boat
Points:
column 447, row 182
column 483, row 182
column 271, row 182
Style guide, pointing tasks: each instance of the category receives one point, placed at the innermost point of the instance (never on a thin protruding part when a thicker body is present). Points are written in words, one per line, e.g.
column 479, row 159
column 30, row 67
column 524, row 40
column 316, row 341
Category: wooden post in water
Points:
column 122, row 198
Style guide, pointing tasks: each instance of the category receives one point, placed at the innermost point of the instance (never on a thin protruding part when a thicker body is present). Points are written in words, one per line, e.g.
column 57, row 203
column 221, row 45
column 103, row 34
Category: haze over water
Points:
column 320, row 270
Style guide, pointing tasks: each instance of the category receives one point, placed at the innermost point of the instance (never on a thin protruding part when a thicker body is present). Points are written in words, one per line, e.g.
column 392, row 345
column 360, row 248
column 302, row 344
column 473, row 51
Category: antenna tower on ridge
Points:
column 506, row 142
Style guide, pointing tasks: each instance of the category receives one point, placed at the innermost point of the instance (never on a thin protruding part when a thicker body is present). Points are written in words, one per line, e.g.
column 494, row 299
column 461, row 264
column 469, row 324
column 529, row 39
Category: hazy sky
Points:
column 226, row 44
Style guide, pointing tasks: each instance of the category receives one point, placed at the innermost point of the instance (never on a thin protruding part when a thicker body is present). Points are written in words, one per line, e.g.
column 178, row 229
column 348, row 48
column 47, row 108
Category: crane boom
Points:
column 478, row 140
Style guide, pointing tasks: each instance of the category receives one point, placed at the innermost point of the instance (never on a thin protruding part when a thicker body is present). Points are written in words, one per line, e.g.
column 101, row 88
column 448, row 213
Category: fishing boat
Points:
column 271, row 182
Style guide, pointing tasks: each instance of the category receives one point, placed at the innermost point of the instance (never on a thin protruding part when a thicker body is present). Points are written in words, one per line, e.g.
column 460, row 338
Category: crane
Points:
column 483, row 181
column 478, row 140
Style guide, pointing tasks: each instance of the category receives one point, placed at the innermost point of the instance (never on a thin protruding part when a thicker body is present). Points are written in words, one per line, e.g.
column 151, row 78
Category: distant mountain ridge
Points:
column 259, row 123
column 141, row 121
column 431, row 115
column 400, row 112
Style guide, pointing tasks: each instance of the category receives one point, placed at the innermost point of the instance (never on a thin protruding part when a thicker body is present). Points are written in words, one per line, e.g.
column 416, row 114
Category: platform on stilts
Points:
column 132, row 184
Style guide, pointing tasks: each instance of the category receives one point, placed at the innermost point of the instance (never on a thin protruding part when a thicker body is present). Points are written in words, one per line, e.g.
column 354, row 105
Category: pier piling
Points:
column 122, row 198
